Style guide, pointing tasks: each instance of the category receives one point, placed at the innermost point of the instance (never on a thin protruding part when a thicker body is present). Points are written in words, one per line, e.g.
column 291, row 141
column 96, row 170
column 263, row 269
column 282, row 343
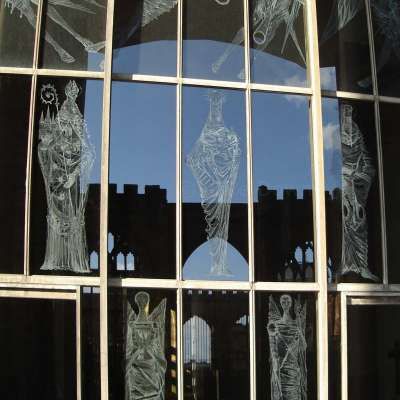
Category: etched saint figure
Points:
column 357, row 176
column 27, row 10
column 267, row 17
column 66, row 158
column 287, row 343
column 145, row 362
column 214, row 162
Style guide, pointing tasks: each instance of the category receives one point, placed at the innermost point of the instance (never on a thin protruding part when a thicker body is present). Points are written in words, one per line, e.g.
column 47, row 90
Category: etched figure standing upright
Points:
column 214, row 162
column 66, row 158
column 287, row 343
column 357, row 176
column 145, row 362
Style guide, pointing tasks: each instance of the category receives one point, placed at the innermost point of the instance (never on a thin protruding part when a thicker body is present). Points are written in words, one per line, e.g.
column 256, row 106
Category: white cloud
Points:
column 328, row 78
column 332, row 136
column 296, row 81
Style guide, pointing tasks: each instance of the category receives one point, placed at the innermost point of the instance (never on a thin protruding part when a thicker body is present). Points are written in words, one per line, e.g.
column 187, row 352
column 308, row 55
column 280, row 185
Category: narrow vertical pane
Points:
column 142, row 181
column 73, row 35
column 213, row 39
column 90, row 343
column 390, row 144
column 38, row 349
column 343, row 46
column 216, row 345
column 277, row 42
column 352, row 192
column 283, row 217
column 65, row 204
column 142, row 344
column 386, row 23
column 286, row 346
column 334, row 338
column 215, row 241
column 14, row 122
column 17, row 33
column 373, row 352
column 144, row 38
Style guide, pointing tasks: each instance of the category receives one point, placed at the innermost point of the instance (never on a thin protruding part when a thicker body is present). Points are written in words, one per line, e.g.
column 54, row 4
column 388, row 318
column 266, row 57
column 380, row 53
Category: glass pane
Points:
column 38, row 349
column 14, row 120
column 216, row 345
column 334, row 337
column 215, row 242
column 90, row 342
column 142, row 175
column 145, row 37
column 65, row 204
column 283, row 217
column 343, row 46
column 73, row 35
column 373, row 352
column 213, row 39
column 391, row 143
column 286, row 346
column 17, row 33
column 277, row 42
column 386, row 23
column 352, row 199
column 142, row 344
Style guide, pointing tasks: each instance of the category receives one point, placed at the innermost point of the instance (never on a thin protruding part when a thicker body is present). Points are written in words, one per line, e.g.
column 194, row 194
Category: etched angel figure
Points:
column 214, row 162
column 288, row 345
column 26, row 9
column 267, row 17
column 145, row 362
column 66, row 158
column 357, row 176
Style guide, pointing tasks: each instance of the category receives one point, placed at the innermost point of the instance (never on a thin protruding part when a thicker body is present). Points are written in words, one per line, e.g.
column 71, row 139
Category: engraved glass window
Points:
column 282, row 188
column 343, row 45
column 374, row 351
column 285, row 346
column 38, row 349
column 389, row 114
column 73, row 35
column 386, row 23
column 142, row 180
column 215, row 242
column 224, row 328
column 352, row 185
column 144, row 38
column 14, row 121
column 213, row 39
column 142, row 344
column 65, row 200
column 277, row 42
column 17, row 32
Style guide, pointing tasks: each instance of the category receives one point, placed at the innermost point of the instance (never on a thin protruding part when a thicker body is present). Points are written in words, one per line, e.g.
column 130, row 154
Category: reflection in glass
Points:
column 389, row 114
column 66, row 158
column 344, row 49
column 283, row 216
column 142, row 176
column 278, row 51
column 14, row 120
column 38, row 349
column 350, row 168
column 145, row 34
column 213, row 39
column 216, row 345
column 73, row 35
column 17, row 32
column 145, row 362
column 386, row 22
column 214, row 180
column 373, row 352
column 285, row 349
column 334, row 359
column 143, row 346
column 66, row 176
